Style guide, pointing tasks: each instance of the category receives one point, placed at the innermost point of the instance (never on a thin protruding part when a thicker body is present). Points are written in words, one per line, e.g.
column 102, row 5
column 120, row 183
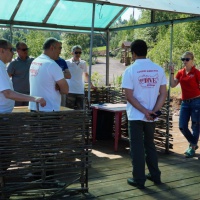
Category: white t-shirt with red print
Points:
column 145, row 78
column 44, row 72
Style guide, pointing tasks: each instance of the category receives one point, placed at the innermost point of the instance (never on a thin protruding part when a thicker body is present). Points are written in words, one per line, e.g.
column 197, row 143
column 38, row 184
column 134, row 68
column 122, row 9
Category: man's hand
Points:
column 148, row 115
column 41, row 101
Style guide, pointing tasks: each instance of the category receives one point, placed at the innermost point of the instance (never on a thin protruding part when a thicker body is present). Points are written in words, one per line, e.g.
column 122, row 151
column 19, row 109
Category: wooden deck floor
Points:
column 109, row 172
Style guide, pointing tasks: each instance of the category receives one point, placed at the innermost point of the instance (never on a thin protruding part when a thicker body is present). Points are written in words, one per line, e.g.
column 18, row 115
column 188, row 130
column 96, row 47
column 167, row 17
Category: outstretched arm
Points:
column 10, row 94
column 87, row 80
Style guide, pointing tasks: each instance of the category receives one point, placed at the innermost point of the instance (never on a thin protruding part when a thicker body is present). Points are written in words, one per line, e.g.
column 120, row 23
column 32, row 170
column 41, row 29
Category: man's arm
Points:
column 67, row 74
column 62, row 86
column 10, row 94
column 135, row 103
column 173, row 81
column 86, row 75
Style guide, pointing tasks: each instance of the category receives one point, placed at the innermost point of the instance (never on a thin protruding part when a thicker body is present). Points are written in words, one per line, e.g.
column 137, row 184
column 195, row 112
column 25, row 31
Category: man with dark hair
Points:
column 18, row 69
column 46, row 77
column 145, row 90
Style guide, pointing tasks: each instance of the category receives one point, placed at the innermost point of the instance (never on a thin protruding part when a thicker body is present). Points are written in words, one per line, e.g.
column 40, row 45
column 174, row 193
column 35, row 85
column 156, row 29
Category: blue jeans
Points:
column 190, row 109
column 142, row 147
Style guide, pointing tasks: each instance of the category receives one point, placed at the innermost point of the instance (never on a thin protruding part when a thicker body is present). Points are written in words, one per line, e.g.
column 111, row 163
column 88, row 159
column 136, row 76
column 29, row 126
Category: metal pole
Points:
column 91, row 45
column 89, row 86
column 107, row 57
column 168, row 96
column 11, row 34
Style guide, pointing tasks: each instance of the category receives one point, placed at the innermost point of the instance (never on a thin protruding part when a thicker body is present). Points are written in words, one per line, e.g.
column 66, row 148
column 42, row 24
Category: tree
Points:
column 69, row 40
column 35, row 40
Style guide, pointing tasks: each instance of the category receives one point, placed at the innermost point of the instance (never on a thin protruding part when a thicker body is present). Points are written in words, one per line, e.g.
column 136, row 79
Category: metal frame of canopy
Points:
column 165, row 5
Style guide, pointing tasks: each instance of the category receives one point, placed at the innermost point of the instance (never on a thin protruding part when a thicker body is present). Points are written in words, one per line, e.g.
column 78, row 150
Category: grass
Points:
column 100, row 48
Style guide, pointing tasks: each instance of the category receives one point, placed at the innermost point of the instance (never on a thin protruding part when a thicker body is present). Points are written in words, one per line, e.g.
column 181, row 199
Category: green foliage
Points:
column 86, row 57
column 103, row 48
column 175, row 91
column 99, row 40
column 97, row 79
column 117, row 81
column 17, row 35
column 35, row 40
column 160, row 53
column 186, row 37
column 69, row 40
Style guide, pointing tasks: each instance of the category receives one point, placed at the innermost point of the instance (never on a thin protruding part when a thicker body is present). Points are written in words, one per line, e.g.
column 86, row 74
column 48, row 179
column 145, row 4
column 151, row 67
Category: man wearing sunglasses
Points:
column 7, row 98
column 18, row 69
column 78, row 69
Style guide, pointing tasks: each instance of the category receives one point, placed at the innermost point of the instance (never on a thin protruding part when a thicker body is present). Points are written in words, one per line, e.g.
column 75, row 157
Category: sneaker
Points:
column 190, row 153
column 132, row 182
column 156, row 181
column 189, row 148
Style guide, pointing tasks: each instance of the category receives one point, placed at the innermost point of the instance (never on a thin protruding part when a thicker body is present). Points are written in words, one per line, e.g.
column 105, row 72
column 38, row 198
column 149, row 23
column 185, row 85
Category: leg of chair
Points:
column 94, row 124
column 117, row 128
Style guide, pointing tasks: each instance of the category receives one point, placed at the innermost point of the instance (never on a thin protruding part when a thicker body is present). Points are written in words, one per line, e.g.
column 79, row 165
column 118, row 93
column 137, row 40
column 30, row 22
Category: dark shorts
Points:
column 75, row 101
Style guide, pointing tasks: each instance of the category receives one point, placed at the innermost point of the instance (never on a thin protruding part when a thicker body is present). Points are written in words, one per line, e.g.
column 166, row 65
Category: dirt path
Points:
column 115, row 69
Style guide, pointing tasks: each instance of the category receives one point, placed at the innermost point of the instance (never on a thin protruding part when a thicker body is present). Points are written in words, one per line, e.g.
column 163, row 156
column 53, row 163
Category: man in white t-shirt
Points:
column 145, row 90
column 46, row 77
column 78, row 69
column 8, row 98
column 7, row 95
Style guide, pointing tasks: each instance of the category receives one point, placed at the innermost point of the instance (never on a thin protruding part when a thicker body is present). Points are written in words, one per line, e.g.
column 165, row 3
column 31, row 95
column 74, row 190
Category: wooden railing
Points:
column 163, row 139
column 45, row 153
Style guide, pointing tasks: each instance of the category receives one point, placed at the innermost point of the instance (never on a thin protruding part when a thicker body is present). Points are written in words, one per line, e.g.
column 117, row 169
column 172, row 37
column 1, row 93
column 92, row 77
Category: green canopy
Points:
column 77, row 15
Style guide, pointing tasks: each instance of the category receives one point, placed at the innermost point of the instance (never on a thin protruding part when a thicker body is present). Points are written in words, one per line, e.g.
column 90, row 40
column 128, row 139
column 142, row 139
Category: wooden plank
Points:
column 25, row 109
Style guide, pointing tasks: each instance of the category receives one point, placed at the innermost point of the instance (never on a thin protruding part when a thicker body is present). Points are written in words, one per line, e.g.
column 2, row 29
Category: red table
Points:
column 118, row 109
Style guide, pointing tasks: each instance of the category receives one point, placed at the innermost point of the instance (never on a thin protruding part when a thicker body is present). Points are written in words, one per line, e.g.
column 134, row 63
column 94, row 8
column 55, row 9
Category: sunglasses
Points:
column 25, row 49
column 185, row 59
column 76, row 52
